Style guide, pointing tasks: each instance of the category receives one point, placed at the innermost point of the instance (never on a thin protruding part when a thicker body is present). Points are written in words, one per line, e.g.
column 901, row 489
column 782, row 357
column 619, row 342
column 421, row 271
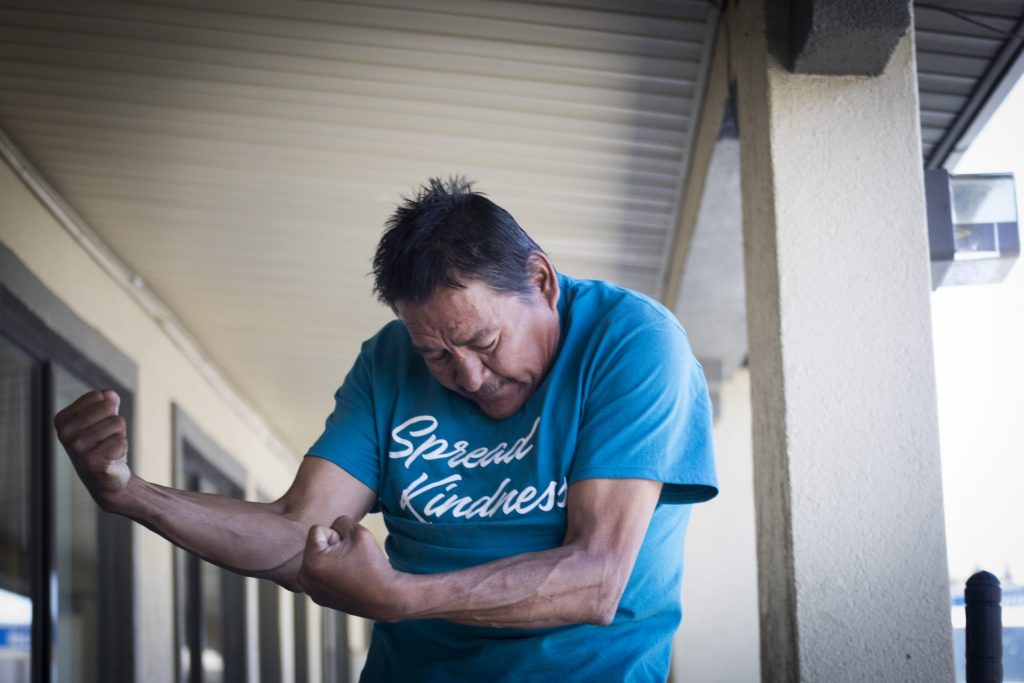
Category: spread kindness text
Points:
column 425, row 498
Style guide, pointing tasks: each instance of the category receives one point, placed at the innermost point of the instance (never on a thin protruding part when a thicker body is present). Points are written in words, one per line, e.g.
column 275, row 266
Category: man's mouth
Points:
column 489, row 390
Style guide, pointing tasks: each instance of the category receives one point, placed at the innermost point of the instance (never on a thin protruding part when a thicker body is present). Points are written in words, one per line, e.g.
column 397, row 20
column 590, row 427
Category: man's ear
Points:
column 544, row 277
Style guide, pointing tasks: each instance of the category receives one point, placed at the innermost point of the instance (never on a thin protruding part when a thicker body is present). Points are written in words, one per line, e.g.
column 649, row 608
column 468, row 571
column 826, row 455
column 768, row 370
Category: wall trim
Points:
column 54, row 314
column 133, row 284
column 676, row 247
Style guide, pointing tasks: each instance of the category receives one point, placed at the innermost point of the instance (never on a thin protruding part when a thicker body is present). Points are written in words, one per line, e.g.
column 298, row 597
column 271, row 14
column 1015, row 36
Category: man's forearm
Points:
column 564, row 585
column 344, row 569
column 255, row 539
column 580, row 581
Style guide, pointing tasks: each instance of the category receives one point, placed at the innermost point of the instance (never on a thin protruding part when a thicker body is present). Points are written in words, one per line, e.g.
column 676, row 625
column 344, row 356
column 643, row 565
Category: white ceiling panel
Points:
column 242, row 157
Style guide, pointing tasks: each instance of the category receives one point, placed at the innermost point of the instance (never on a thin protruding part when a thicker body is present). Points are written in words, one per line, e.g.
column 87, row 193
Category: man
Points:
column 533, row 442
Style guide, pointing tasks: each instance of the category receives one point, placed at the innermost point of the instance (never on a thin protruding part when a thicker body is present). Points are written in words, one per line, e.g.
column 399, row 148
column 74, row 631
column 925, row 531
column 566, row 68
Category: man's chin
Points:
column 499, row 413
column 500, row 408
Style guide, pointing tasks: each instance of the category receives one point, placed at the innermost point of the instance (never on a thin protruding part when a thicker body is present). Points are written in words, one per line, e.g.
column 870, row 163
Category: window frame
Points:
column 270, row 636
column 195, row 454
column 37, row 324
column 300, row 636
column 336, row 657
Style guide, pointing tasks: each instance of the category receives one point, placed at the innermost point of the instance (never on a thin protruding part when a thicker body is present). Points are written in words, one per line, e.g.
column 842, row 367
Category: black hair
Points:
column 449, row 235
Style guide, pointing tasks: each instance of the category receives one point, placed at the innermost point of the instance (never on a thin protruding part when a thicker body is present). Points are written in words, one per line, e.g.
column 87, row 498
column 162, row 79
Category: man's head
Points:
column 478, row 296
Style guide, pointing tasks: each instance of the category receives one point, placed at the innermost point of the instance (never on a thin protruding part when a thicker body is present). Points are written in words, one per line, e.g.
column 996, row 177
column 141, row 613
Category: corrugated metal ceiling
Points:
column 243, row 156
column 957, row 43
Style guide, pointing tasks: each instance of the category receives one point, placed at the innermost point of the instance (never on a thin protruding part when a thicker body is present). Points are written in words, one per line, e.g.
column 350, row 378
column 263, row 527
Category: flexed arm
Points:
column 580, row 581
column 264, row 540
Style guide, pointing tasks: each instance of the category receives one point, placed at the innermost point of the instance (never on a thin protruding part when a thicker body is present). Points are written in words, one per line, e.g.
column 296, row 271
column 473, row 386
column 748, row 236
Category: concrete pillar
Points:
column 851, row 545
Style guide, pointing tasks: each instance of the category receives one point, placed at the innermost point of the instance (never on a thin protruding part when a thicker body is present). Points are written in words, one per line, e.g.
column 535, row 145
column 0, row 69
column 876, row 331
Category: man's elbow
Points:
column 600, row 616
column 604, row 609
column 610, row 587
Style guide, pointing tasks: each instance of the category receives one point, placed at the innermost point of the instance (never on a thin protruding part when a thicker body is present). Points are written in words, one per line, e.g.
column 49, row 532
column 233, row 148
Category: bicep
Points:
column 609, row 518
column 322, row 491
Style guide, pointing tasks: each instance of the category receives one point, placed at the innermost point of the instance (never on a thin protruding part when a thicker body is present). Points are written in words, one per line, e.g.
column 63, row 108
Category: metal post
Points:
column 984, row 631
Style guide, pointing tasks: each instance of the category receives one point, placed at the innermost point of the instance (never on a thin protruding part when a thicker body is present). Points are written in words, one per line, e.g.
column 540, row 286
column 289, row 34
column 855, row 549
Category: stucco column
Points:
column 851, row 544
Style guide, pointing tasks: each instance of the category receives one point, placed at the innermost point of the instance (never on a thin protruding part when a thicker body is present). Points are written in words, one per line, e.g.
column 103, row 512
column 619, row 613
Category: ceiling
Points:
column 964, row 57
column 241, row 157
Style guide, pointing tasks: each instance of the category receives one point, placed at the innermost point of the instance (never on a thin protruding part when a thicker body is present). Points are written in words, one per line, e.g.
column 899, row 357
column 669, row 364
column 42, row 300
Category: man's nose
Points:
column 470, row 373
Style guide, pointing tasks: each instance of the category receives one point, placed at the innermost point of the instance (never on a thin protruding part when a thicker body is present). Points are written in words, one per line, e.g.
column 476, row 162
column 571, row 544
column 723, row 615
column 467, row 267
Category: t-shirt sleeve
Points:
column 648, row 416
column 349, row 438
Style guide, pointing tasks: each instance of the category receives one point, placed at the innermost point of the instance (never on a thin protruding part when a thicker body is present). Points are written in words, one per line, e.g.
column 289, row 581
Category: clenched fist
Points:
column 343, row 568
column 96, row 439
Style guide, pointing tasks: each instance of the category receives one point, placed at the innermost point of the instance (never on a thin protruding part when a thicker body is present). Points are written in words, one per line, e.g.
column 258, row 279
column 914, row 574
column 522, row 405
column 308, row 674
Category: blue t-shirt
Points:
column 624, row 398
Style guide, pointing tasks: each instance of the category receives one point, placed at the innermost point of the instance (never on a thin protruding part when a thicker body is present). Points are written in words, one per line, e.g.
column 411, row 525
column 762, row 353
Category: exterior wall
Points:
column 718, row 641
column 165, row 377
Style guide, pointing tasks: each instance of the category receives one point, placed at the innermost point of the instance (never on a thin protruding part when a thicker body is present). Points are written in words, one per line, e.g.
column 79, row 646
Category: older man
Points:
column 533, row 442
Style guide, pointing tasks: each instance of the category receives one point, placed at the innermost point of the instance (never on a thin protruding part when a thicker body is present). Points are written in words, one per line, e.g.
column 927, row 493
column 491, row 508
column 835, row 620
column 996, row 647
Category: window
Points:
column 301, row 641
column 65, row 566
column 16, row 552
column 334, row 633
column 211, row 601
column 269, row 610
column 270, row 631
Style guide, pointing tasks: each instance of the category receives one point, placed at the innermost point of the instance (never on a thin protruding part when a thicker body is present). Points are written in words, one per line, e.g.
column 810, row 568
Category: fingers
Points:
column 345, row 526
column 89, row 415
column 320, row 538
column 69, row 412
column 99, row 432
column 112, row 397
column 113, row 447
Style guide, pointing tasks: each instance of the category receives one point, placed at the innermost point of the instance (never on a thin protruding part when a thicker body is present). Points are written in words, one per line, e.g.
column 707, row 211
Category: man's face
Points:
column 491, row 347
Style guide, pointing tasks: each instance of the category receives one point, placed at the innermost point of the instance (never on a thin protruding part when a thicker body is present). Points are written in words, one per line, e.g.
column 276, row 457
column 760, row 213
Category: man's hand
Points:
column 343, row 568
column 96, row 439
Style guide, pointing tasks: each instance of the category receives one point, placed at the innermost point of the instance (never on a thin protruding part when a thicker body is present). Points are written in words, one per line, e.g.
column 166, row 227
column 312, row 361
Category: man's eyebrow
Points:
column 424, row 350
column 476, row 338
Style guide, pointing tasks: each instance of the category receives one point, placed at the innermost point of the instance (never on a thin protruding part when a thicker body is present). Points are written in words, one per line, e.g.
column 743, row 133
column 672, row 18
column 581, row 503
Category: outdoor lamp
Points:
column 972, row 227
